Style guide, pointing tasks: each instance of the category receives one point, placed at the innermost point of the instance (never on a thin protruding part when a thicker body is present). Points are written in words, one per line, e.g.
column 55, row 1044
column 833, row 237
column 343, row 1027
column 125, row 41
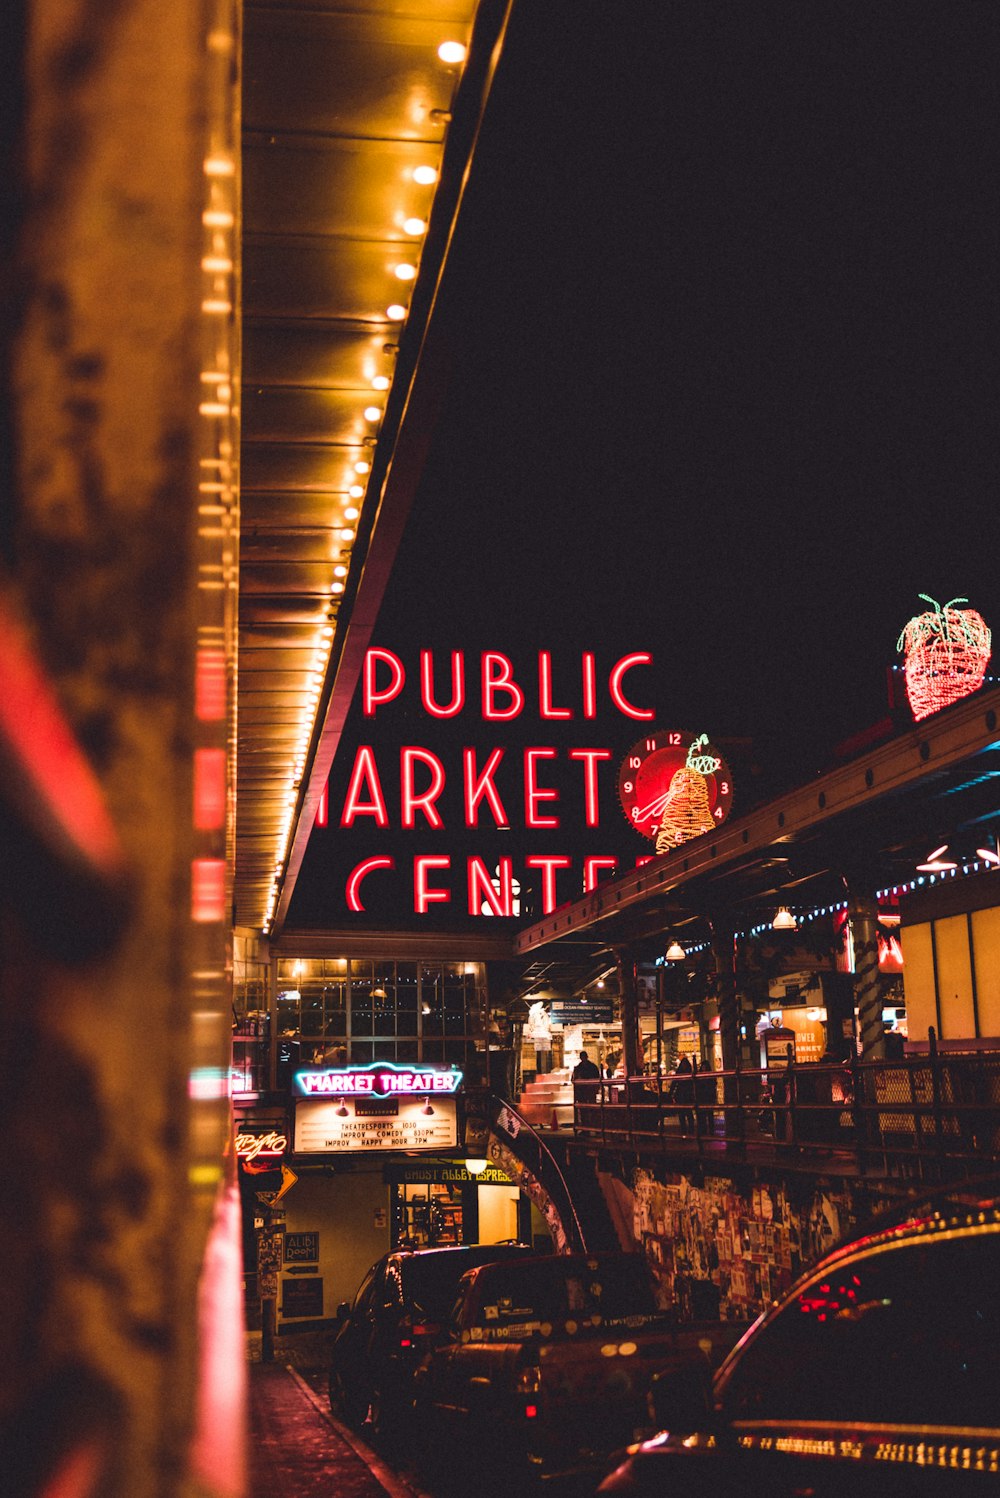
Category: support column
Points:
column 122, row 1281
column 724, row 954
column 862, row 915
column 629, row 990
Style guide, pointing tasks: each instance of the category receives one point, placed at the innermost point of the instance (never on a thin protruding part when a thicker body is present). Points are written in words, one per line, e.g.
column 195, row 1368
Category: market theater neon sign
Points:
column 378, row 1079
column 496, row 788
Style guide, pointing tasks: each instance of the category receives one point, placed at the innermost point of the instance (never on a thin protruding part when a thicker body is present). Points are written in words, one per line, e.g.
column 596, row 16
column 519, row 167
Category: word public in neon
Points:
column 378, row 1079
column 502, row 696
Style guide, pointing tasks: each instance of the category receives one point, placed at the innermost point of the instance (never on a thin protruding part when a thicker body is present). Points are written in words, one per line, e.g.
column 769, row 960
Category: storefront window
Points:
column 381, row 1010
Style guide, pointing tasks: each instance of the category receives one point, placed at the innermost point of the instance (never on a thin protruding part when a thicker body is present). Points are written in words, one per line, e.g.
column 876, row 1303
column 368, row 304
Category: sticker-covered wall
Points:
column 727, row 1249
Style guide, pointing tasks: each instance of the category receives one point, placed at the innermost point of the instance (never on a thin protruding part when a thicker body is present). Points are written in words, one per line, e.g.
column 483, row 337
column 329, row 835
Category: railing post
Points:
column 694, row 1102
column 857, row 1109
column 739, row 1121
column 932, row 1054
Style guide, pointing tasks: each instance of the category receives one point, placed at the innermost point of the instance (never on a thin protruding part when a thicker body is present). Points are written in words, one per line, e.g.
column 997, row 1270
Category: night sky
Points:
column 725, row 392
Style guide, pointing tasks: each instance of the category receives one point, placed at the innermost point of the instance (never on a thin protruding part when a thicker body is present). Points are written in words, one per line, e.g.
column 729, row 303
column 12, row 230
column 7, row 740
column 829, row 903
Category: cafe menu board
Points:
column 333, row 1126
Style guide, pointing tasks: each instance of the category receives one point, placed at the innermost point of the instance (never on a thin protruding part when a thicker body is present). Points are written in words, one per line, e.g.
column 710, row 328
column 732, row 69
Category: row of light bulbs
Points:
column 786, row 921
column 453, row 54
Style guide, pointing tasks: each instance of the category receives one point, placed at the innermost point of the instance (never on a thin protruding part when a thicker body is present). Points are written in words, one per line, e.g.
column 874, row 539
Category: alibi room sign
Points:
column 541, row 754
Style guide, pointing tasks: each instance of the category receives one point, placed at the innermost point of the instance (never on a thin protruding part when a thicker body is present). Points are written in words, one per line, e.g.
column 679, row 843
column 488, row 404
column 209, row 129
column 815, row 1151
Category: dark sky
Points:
column 726, row 384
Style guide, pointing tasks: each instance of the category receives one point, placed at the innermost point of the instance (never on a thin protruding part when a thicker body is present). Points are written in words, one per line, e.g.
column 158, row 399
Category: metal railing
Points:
column 523, row 1141
column 927, row 1115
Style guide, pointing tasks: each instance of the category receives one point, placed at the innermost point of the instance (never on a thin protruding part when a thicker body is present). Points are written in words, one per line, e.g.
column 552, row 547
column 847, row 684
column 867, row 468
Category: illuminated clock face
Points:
column 674, row 786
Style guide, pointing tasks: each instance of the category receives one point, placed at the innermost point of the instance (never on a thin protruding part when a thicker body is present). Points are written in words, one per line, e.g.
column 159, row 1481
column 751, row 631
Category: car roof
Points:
column 967, row 1206
column 960, row 1204
column 462, row 1250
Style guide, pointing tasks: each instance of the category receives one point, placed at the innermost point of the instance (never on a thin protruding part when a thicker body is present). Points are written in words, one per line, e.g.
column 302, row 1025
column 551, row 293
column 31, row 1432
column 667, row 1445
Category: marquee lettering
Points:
column 365, row 797
column 429, row 869
column 380, row 1079
column 494, row 782
column 501, row 696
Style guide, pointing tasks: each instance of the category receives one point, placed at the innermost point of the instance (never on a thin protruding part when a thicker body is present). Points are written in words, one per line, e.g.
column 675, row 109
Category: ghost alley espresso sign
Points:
column 499, row 787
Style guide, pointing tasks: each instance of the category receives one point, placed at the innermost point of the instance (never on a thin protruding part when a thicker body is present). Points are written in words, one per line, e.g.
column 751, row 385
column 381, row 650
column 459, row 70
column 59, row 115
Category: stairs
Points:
column 580, row 1174
column 547, row 1102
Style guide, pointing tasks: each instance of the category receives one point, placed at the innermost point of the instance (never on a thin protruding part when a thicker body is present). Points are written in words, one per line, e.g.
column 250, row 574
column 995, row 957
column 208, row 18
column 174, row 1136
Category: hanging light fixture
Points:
column 675, row 952
column 475, row 1165
column 784, row 920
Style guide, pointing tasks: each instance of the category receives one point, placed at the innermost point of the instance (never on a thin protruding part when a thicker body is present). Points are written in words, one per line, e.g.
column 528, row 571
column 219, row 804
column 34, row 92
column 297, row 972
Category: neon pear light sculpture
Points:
column 945, row 655
column 687, row 811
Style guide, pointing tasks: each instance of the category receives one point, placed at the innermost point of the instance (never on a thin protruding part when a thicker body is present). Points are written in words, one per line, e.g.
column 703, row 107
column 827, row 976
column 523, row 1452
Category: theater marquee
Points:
column 377, row 1107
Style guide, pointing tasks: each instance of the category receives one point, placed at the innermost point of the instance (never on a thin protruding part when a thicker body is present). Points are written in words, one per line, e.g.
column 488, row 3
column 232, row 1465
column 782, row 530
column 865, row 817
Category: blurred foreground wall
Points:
column 118, row 539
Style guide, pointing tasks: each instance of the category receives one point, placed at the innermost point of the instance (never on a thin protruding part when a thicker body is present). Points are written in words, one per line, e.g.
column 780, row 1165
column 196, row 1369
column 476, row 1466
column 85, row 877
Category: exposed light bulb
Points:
column 380, row 382
column 451, row 52
column 373, row 413
column 414, row 225
column 425, row 175
column 396, row 312
column 362, row 467
column 405, row 272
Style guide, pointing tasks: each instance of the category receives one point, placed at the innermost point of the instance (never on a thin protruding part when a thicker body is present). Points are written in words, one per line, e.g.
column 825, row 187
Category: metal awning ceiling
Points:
column 357, row 139
column 872, row 820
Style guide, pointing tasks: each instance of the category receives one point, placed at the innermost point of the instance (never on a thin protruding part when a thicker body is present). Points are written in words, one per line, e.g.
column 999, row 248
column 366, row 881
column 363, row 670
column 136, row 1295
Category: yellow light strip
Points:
column 402, row 272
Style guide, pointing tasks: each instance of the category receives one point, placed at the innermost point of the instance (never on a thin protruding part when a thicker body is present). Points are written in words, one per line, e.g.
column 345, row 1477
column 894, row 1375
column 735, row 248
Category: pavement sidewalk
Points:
column 299, row 1451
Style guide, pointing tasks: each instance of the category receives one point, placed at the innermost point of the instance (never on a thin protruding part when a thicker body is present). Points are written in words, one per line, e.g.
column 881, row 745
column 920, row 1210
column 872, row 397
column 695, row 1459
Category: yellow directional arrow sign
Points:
column 288, row 1179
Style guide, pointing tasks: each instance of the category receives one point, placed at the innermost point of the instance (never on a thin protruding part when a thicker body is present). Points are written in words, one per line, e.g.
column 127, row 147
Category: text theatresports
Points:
column 499, row 786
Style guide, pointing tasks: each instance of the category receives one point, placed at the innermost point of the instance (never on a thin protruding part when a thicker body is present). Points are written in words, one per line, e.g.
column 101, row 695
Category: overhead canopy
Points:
column 358, row 134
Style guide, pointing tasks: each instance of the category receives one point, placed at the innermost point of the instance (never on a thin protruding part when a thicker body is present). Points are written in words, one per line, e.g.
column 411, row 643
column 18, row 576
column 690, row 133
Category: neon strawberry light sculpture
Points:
column 945, row 655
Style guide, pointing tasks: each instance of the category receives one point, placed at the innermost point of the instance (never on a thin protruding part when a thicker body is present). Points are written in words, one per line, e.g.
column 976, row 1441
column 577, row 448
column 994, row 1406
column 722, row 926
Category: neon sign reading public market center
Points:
column 487, row 791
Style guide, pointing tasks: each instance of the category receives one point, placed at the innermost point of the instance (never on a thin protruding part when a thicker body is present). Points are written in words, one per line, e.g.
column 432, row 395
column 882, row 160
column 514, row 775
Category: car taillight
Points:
column 425, row 1329
column 531, row 1411
column 416, row 1333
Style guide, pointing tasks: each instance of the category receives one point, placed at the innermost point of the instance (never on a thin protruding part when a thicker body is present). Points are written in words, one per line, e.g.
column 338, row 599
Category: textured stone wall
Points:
column 108, row 1163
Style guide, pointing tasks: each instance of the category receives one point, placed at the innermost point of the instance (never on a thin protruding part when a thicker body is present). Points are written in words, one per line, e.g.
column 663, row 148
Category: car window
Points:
column 556, row 1289
column 430, row 1280
column 909, row 1334
column 365, row 1289
column 392, row 1290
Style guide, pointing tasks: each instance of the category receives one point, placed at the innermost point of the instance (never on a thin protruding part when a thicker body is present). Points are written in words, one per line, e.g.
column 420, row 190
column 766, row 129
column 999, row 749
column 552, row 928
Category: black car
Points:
column 877, row 1374
column 397, row 1315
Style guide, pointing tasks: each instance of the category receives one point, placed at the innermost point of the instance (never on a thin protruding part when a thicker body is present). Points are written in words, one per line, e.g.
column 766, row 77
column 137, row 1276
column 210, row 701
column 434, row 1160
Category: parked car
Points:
column 398, row 1313
column 545, row 1368
column 877, row 1374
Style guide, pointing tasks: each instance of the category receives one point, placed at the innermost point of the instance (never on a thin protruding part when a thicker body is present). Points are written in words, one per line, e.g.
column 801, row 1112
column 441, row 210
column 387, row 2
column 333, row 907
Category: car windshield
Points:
column 430, row 1280
column 561, row 1288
